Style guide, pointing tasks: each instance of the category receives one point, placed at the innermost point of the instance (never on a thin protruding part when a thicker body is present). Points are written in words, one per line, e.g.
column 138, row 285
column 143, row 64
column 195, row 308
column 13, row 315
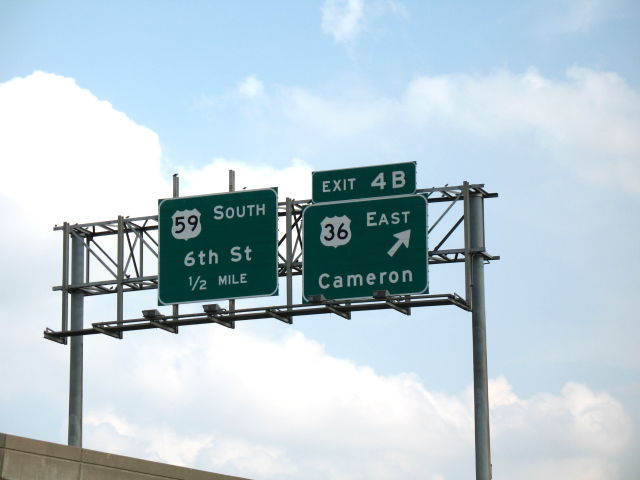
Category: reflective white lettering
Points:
column 326, row 281
column 375, row 219
column 239, row 211
column 232, row 279
column 397, row 179
column 202, row 257
column 237, row 253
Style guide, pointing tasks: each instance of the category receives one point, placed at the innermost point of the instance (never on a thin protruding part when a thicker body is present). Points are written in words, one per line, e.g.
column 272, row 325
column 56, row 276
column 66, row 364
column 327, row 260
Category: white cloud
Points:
column 397, row 8
column 117, row 434
column 294, row 179
column 345, row 20
column 285, row 409
column 227, row 401
column 586, row 122
column 583, row 15
column 342, row 19
column 66, row 155
column 336, row 118
column 577, row 434
column 579, row 16
column 250, row 87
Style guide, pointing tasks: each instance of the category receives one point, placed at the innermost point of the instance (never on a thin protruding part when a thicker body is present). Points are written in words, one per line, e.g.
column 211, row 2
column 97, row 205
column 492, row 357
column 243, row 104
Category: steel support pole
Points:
column 76, row 354
column 65, row 276
column 175, row 309
column 289, row 252
column 480, row 374
column 120, row 273
column 468, row 261
column 232, row 188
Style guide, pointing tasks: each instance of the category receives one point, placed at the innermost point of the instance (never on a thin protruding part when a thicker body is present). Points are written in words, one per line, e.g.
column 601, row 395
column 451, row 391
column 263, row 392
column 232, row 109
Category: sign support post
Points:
column 175, row 309
column 289, row 251
column 478, row 321
column 120, row 272
column 76, row 349
column 232, row 188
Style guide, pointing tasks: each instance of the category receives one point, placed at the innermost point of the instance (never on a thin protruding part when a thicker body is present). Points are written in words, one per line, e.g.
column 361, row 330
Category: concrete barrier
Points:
column 26, row 459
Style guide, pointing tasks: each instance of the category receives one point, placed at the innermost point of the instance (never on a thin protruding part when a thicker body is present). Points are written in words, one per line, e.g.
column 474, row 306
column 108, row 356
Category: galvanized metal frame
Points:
column 131, row 257
column 137, row 247
column 280, row 312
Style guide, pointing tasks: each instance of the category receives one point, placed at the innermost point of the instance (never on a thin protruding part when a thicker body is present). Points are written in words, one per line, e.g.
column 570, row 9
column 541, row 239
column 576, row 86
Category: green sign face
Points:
column 364, row 182
column 218, row 246
column 353, row 248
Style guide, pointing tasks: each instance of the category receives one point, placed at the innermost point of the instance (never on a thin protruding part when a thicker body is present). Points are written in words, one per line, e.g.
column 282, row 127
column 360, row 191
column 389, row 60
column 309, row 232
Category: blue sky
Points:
column 100, row 103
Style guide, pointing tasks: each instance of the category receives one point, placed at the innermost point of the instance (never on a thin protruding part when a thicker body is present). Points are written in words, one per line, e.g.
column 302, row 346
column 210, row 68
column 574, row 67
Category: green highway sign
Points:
column 354, row 248
column 220, row 246
column 363, row 182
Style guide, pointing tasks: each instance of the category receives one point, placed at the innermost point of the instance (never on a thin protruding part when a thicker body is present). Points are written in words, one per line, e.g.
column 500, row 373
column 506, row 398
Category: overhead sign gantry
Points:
column 361, row 243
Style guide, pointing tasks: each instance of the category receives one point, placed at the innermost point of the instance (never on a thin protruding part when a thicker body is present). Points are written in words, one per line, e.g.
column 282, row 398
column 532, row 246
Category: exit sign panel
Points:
column 364, row 182
column 354, row 248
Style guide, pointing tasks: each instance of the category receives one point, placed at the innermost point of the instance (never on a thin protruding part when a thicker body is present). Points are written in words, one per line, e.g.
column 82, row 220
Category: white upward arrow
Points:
column 402, row 239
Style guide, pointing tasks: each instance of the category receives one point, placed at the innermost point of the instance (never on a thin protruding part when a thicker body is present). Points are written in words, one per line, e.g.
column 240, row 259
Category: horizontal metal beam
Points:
column 52, row 335
column 114, row 223
column 447, row 194
column 111, row 332
column 279, row 315
column 404, row 302
column 162, row 324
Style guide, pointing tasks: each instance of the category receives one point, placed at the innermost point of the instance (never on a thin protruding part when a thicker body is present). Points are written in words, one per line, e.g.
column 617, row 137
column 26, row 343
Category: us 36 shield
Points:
column 335, row 231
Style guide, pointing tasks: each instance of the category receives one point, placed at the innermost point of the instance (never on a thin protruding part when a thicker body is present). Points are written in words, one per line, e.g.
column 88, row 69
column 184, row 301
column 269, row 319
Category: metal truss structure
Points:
column 124, row 252
column 121, row 256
